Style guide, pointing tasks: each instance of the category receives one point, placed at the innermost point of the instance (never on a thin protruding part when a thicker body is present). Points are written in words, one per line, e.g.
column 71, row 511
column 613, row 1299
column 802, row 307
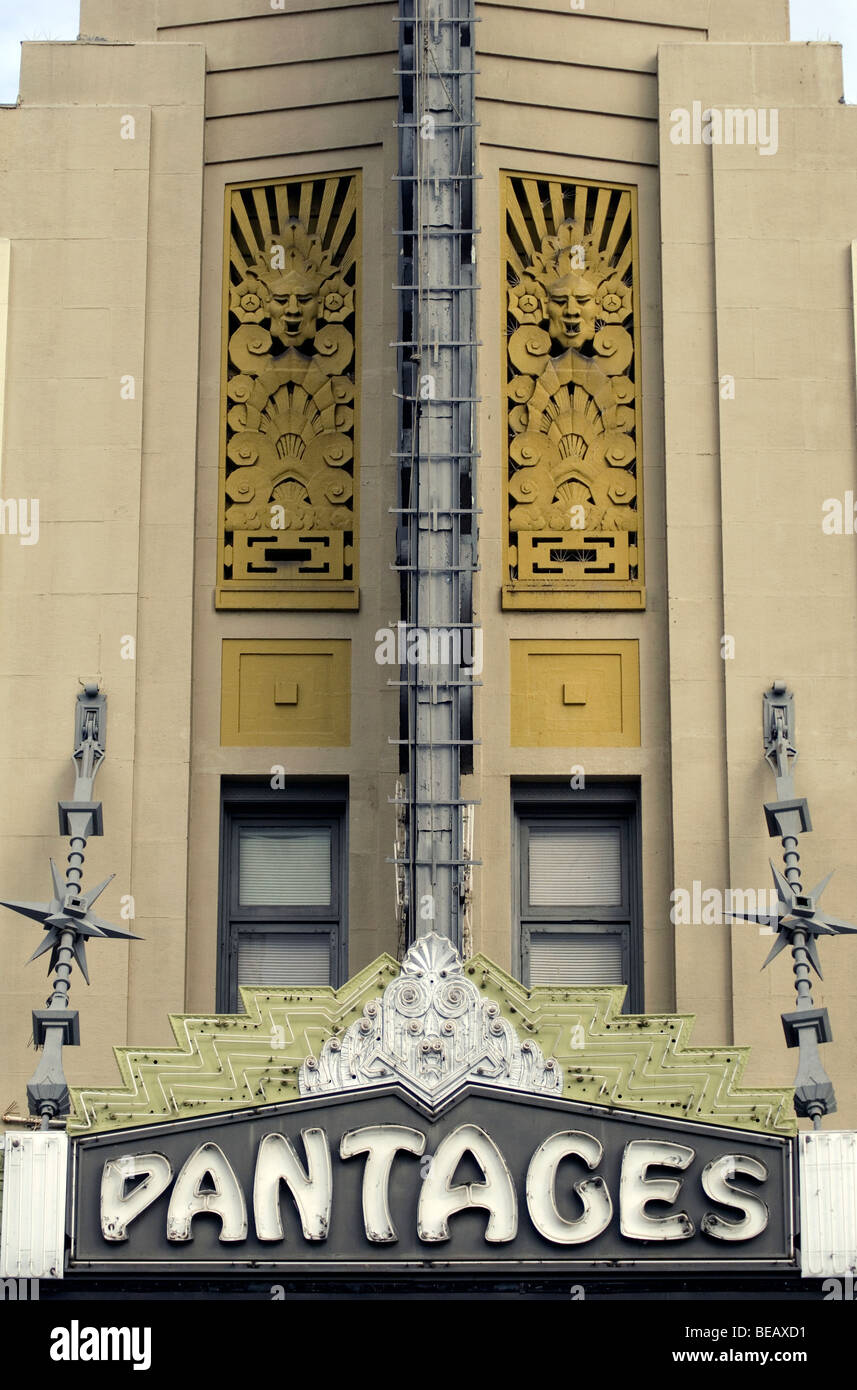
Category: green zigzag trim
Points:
column 637, row 1062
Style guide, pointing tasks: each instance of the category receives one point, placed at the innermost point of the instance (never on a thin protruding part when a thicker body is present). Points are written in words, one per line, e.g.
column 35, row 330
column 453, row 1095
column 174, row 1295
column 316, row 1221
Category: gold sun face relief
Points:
column 574, row 537
column 288, row 535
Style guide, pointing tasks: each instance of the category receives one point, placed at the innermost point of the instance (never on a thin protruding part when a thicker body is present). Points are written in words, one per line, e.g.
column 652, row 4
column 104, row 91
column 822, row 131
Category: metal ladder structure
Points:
column 436, row 452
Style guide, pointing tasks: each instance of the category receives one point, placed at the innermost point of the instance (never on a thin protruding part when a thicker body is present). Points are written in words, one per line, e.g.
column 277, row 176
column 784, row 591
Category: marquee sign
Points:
column 429, row 1132
column 494, row 1177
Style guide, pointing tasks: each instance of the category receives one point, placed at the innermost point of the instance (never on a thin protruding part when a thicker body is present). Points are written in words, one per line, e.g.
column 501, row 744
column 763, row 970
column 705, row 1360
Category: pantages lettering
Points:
column 429, row 1130
column 568, row 1201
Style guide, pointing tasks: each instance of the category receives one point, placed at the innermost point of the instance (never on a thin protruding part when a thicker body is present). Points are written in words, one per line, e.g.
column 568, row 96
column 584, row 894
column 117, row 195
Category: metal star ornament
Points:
column 69, row 911
column 799, row 912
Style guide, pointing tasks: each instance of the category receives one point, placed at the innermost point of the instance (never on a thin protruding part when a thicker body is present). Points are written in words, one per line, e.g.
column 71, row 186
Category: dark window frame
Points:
column 601, row 803
column 244, row 802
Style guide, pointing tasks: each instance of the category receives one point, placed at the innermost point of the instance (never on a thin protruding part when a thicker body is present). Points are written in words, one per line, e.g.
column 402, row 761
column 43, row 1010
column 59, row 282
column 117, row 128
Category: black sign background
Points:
column 517, row 1123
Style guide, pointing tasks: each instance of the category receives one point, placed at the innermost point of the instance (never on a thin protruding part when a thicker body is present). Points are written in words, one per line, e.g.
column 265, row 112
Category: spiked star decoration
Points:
column 799, row 912
column 69, row 911
column 67, row 918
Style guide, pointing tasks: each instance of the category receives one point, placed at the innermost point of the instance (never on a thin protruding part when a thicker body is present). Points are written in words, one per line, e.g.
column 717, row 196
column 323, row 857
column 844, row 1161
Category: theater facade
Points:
column 427, row 496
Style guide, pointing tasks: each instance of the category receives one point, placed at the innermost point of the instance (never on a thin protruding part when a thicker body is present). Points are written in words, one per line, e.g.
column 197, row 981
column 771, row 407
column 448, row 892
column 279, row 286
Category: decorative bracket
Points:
column 90, row 740
column 799, row 919
column 778, row 727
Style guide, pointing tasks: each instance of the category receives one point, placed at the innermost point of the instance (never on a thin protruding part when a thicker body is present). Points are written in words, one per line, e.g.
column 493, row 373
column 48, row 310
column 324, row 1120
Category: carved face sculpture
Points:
column 294, row 307
column 573, row 308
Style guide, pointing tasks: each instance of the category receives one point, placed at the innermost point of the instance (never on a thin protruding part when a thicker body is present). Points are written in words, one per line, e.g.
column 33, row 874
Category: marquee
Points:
column 428, row 1133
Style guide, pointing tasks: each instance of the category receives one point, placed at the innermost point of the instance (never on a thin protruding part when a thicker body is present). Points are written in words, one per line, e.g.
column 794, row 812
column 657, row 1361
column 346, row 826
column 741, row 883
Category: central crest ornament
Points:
column 433, row 1031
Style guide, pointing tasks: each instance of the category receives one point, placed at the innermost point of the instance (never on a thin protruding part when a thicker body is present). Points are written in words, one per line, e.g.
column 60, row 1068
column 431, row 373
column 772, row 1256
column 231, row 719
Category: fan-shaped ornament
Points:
column 571, row 383
column 433, row 1031
column 288, row 471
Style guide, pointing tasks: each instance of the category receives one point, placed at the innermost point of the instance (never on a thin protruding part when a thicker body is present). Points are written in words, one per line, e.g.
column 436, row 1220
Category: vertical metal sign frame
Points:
column 436, row 453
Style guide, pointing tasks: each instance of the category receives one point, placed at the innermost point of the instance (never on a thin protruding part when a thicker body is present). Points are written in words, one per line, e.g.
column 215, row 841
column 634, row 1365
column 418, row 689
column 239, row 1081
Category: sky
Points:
column 58, row 19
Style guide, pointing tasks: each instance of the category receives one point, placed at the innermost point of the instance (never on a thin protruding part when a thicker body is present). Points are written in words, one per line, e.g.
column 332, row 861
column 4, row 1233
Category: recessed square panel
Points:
column 289, row 692
column 567, row 694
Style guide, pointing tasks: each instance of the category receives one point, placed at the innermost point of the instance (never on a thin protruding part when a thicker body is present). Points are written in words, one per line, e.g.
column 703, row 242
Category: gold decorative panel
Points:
column 288, row 507
column 567, row 694
column 574, row 536
column 286, row 692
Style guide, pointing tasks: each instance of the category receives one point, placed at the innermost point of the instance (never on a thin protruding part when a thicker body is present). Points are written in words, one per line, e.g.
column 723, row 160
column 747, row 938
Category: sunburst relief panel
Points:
column 288, row 534
column 574, row 537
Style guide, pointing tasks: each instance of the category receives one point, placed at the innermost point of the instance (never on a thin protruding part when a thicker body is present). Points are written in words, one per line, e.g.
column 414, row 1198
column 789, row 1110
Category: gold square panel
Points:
column 574, row 694
column 291, row 692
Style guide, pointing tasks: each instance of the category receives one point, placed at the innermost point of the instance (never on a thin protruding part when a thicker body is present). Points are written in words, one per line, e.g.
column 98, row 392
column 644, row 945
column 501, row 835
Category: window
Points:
column 577, row 887
column 282, row 891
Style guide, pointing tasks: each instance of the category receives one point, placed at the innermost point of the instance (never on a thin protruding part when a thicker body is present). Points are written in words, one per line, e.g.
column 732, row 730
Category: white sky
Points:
column 58, row 19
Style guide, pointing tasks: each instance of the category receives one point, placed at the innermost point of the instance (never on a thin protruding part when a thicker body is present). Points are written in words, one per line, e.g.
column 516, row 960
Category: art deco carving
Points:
column 288, row 469
column 574, row 520
column 433, row 1030
column 226, row 1062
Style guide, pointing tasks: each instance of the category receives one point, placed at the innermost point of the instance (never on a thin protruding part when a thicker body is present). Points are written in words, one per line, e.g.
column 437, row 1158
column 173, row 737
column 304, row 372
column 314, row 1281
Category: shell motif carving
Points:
column 571, row 382
column 288, row 475
column 431, row 1030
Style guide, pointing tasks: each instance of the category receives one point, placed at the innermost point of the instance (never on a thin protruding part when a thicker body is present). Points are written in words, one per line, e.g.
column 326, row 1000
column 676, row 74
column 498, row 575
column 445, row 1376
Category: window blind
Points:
column 284, row 866
column 575, row 866
column 283, row 958
column 576, row 958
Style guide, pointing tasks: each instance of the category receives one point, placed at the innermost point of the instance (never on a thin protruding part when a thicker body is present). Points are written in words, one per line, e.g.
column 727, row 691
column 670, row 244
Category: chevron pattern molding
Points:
column 633, row 1062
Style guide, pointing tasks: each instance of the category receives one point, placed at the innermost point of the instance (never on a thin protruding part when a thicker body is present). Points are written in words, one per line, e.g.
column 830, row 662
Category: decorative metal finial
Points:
column 67, row 918
column 799, row 921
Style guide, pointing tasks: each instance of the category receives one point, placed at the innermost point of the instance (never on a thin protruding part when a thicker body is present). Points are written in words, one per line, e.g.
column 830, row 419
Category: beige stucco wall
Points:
column 287, row 98
column 263, row 82
column 129, row 522
column 104, row 283
column 530, row 60
column 757, row 285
